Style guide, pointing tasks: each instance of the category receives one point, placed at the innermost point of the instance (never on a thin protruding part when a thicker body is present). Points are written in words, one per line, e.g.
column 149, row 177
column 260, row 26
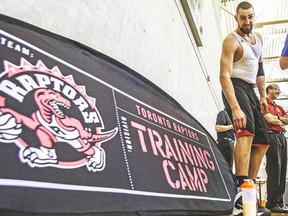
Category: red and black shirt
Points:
column 275, row 110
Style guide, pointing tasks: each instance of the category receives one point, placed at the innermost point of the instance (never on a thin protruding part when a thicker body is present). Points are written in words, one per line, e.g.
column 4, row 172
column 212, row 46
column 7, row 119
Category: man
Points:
column 240, row 69
column 276, row 155
column 284, row 55
column 225, row 136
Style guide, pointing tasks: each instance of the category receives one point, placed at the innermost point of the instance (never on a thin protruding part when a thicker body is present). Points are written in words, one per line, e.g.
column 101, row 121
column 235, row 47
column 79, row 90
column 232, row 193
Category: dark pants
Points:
column 226, row 146
column 276, row 164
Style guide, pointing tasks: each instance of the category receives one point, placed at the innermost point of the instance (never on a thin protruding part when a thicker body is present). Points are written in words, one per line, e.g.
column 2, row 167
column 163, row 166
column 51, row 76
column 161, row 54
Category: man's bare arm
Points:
column 229, row 47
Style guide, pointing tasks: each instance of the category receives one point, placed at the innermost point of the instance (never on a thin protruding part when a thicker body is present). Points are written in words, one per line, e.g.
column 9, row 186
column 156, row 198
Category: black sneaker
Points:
column 262, row 211
column 278, row 209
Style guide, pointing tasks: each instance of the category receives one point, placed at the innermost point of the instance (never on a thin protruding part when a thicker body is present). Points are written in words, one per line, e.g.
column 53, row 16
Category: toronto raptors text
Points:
column 165, row 122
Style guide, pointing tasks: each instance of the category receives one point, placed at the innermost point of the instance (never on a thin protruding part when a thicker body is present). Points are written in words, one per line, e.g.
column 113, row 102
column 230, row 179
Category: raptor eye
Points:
column 53, row 95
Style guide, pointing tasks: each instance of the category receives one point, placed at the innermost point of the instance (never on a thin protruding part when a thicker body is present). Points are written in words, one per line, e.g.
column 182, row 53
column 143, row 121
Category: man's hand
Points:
column 263, row 105
column 239, row 118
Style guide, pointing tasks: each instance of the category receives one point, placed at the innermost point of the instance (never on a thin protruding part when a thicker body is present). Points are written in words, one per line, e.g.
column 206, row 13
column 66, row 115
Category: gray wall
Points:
column 150, row 36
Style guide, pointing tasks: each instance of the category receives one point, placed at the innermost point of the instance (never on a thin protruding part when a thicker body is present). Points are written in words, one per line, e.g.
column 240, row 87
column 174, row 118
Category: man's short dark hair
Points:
column 244, row 5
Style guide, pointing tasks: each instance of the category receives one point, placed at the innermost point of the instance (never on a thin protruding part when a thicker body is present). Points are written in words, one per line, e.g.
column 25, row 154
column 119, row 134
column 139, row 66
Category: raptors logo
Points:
column 41, row 109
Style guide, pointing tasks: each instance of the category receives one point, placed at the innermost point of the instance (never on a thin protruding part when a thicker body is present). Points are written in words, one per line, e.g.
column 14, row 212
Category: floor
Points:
column 279, row 214
column 273, row 214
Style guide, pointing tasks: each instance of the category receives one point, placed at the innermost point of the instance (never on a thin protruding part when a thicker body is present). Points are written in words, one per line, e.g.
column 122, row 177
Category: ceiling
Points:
column 272, row 22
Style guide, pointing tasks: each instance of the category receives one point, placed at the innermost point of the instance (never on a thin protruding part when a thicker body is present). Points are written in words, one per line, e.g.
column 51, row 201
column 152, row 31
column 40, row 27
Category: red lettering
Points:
column 166, row 165
column 140, row 129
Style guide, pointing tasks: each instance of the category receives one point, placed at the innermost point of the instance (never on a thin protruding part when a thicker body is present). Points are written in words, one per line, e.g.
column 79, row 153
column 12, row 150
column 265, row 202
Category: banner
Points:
column 82, row 133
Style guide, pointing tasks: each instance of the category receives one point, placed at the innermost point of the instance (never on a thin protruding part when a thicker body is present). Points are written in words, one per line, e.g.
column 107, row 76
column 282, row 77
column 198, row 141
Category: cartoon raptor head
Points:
column 50, row 103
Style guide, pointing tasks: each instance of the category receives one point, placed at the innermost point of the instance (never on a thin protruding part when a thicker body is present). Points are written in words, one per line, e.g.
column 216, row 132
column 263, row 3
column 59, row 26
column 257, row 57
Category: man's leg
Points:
column 283, row 170
column 242, row 151
column 273, row 170
column 257, row 154
column 242, row 154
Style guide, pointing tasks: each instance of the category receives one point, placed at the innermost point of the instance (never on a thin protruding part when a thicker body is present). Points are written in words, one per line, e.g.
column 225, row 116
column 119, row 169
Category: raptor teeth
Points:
column 55, row 105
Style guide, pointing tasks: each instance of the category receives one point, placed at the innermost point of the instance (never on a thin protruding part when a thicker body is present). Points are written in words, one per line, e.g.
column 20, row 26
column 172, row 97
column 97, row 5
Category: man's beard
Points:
column 246, row 30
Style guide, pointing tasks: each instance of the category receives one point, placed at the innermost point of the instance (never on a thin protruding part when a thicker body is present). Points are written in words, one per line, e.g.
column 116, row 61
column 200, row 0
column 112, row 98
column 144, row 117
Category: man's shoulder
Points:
column 231, row 36
column 230, row 40
column 279, row 106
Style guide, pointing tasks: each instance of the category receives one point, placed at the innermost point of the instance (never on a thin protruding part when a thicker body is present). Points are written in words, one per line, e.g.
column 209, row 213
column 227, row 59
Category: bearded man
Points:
column 241, row 69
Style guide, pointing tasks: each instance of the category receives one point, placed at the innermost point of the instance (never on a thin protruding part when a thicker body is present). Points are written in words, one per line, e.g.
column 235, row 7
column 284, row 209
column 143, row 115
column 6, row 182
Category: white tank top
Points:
column 55, row 128
column 246, row 68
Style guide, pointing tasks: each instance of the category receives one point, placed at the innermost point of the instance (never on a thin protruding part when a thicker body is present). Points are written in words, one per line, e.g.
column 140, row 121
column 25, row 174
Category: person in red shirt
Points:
column 276, row 156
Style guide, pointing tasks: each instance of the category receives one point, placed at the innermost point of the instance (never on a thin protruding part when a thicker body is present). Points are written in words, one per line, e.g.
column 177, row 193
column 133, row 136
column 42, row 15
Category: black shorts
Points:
column 249, row 104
